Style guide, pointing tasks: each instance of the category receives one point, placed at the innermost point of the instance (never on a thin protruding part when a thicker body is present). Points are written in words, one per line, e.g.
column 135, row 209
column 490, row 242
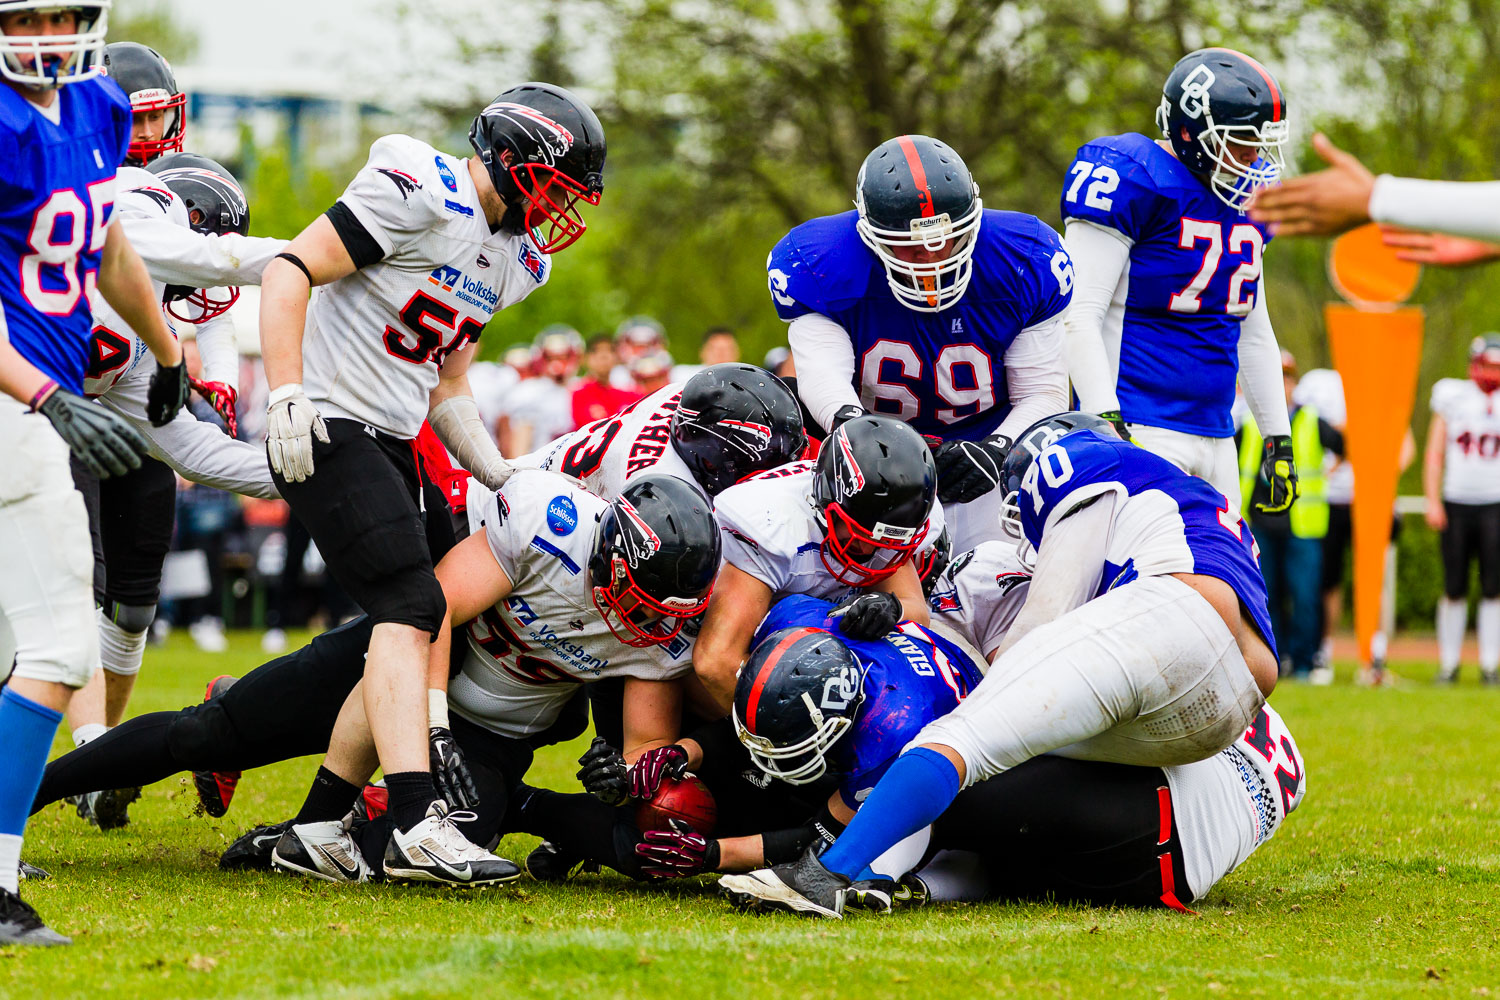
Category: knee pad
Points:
column 200, row 736
column 130, row 617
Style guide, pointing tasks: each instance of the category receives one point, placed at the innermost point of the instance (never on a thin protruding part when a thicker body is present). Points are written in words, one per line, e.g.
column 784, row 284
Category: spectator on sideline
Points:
column 779, row 363
column 634, row 337
column 1291, row 544
column 720, row 346
column 651, row 371
column 540, row 409
column 492, row 382
column 593, row 396
column 1461, row 479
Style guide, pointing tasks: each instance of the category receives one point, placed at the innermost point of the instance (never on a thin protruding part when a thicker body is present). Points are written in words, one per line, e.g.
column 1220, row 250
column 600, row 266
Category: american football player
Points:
column 57, row 195
column 1168, row 304
column 413, row 259
column 924, row 305
column 847, row 524
column 540, row 410
column 158, row 109
column 188, row 218
column 1145, row 639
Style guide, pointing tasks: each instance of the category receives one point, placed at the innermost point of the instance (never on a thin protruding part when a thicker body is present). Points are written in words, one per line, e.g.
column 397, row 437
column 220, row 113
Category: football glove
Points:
column 291, row 422
column 107, row 444
column 967, row 470
column 222, row 397
column 648, row 770
column 1118, row 423
column 843, row 415
column 676, row 853
column 1278, row 469
column 604, row 774
column 450, row 773
column 168, row 393
column 867, row 615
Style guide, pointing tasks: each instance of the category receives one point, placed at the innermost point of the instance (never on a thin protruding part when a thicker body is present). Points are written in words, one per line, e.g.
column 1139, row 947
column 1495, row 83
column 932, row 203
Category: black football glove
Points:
column 648, row 770
column 843, row 415
column 1118, row 423
column 867, row 615
column 604, row 774
column 676, row 853
column 967, row 470
column 103, row 441
column 1278, row 469
column 168, row 393
column 450, row 773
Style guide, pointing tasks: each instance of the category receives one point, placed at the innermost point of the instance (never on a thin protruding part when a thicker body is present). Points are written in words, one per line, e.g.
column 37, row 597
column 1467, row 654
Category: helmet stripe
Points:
column 780, row 649
column 1270, row 83
column 918, row 175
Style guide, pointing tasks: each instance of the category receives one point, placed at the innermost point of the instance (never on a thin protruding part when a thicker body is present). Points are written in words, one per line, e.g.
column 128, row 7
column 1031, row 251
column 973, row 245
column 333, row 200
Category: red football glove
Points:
column 652, row 766
column 222, row 398
column 676, row 853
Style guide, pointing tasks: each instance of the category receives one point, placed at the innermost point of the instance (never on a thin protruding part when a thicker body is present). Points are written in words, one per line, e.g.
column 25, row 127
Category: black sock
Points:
column 411, row 792
column 330, row 797
column 133, row 753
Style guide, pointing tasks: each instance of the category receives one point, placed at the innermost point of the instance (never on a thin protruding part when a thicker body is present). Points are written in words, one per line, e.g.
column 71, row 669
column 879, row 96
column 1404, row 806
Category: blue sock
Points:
column 27, row 729
column 916, row 790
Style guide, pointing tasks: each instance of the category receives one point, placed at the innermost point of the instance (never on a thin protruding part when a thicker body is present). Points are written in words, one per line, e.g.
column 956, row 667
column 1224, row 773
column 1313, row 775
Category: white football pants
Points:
column 1214, row 459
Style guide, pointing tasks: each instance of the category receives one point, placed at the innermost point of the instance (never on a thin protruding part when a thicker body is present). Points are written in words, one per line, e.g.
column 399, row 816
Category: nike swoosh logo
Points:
column 465, row 874
column 352, row 871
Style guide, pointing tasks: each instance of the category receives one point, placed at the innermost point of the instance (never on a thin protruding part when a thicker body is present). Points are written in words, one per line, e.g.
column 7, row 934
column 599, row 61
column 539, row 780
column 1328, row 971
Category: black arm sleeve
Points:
column 1330, row 437
column 363, row 249
column 717, row 739
column 779, row 846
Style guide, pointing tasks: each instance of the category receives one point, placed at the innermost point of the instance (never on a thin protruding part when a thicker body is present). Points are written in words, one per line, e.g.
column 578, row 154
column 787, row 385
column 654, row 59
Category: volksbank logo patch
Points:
column 471, row 290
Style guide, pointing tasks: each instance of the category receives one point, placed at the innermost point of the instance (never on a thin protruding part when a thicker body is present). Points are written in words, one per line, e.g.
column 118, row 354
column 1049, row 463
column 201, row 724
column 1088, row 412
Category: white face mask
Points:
column 930, row 287
column 23, row 57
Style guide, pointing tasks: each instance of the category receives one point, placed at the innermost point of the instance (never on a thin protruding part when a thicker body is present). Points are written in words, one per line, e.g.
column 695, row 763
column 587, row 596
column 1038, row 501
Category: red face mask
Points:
column 552, row 198
column 848, row 565
column 1485, row 374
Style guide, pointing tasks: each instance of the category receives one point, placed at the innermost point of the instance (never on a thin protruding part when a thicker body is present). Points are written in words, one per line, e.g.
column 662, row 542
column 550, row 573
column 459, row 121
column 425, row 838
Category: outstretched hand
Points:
column 1438, row 249
column 1324, row 203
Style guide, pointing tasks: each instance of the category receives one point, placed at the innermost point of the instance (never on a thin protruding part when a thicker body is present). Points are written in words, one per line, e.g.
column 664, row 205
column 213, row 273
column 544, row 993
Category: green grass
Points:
column 1384, row 884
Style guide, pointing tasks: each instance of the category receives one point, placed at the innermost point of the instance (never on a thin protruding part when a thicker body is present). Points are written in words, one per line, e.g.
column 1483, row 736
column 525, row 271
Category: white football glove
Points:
column 291, row 422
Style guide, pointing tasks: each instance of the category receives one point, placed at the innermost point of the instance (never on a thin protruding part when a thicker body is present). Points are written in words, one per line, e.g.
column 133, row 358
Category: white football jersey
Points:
column 1231, row 803
column 608, row 453
column 375, row 339
column 155, row 221
column 769, row 531
column 545, row 406
column 1471, row 459
column 980, row 593
column 528, row 654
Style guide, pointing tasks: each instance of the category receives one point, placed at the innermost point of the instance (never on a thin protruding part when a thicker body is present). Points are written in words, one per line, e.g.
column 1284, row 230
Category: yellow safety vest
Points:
column 1309, row 515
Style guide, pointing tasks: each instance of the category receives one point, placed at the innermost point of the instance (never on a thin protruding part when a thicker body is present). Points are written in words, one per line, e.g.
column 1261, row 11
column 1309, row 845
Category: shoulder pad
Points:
column 1117, row 181
column 411, row 167
column 819, row 267
column 1034, row 267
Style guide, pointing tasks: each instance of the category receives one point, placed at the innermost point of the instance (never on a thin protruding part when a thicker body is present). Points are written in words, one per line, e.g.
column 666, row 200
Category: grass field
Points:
column 1383, row 884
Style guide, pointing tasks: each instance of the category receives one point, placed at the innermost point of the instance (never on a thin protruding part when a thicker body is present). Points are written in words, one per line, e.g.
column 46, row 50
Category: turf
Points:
column 1383, row 884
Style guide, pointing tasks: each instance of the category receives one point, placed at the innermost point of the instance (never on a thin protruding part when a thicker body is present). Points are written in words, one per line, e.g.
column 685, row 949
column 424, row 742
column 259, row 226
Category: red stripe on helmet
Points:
column 919, row 175
column 1264, row 75
column 777, row 653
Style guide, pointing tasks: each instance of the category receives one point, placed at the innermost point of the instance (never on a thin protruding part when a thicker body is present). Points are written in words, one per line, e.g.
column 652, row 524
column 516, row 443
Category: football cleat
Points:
column 435, row 850
column 548, row 864
column 252, row 851
column 108, row 810
column 19, row 923
column 32, row 872
column 802, row 886
column 881, row 895
column 323, row 850
column 216, row 788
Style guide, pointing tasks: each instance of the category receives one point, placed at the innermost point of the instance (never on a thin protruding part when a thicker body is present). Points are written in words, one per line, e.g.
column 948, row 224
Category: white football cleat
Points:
column 323, row 850
column 435, row 850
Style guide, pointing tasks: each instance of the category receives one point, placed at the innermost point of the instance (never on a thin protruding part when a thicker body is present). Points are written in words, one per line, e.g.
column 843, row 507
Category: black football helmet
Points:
column 216, row 205
column 733, row 421
column 655, row 557
column 873, row 489
column 544, row 150
column 1033, row 441
column 148, row 81
column 1216, row 100
column 913, row 192
column 47, row 61
column 797, row 694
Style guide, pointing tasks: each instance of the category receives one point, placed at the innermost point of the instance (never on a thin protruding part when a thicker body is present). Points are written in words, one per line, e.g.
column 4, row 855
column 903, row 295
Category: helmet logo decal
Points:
column 840, row 690
column 759, row 434
column 1194, row 100
column 848, row 477
column 641, row 542
column 553, row 140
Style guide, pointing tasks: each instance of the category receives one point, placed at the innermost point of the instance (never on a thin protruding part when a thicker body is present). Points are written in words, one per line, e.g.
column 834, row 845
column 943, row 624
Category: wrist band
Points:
column 42, row 394
column 297, row 262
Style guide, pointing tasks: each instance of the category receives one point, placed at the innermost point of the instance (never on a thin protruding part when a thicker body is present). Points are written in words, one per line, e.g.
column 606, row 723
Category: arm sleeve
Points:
column 824, row 356
column 178, row 256
column 1330, row 437
column 1463, row 209
column 457, row 424
column 1100, row 256
column 1069, row 567
column 1260, row 371
column 1035, row 376
column 221, row 358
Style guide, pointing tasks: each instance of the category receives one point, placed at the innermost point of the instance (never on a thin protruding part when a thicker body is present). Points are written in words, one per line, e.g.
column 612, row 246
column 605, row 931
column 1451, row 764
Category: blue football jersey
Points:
column 943, row 372
column 911, row 677
column 1165, row 520
column 1194, row 273
column 57, row 192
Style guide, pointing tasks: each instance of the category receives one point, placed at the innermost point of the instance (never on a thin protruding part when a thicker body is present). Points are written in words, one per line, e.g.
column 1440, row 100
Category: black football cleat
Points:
column 216, row 788
column 548, row 864
column 881, row 895
column 20, row 924
column 252, row 851
column 436, row 851
column 109, row 809
column 803, row 886
column 29, row 871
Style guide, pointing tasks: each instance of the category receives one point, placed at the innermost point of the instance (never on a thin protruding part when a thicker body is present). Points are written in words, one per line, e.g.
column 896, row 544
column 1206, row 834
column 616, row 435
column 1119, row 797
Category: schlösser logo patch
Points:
column 562, row 516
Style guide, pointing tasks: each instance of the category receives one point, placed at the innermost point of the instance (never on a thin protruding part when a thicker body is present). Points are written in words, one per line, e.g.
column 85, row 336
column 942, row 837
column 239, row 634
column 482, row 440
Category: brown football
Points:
column 688, row 800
